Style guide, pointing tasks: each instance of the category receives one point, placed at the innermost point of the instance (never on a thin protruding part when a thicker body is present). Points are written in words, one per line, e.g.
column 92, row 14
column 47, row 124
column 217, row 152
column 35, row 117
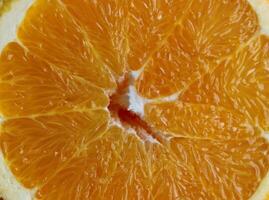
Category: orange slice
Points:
column 152, row 100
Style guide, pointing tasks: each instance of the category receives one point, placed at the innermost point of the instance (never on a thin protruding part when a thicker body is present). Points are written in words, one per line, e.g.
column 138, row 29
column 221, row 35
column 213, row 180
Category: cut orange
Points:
column 139, row 99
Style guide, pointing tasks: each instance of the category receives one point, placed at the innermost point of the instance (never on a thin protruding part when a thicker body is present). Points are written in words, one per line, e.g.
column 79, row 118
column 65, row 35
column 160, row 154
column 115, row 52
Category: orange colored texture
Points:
column 61, row 136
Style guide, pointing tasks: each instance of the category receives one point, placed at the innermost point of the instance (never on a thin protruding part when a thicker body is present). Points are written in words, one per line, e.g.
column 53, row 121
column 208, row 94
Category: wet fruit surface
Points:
column 65, row 98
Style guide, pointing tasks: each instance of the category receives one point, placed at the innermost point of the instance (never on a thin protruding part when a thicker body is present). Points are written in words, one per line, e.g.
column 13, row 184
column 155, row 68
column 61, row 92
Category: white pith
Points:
column 137, row 103
column 262, row 9
column 10, row 21
column 10, row 189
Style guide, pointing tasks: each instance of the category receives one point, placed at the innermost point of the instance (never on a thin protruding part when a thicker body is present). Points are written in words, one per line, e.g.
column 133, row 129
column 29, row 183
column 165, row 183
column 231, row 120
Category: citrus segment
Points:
column 227, row 169
column 29, row 86
column 51, row 33
column 150, row 22
column 121, row 166
column 105, row 25
column 170, row 70
column 239, row 83
column 215, row 29
column 196, row 40
column 35, row 148
column 198, row 121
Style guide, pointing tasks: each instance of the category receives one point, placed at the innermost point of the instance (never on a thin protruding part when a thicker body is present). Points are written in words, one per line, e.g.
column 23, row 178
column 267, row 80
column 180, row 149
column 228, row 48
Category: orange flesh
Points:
column 65, row 125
